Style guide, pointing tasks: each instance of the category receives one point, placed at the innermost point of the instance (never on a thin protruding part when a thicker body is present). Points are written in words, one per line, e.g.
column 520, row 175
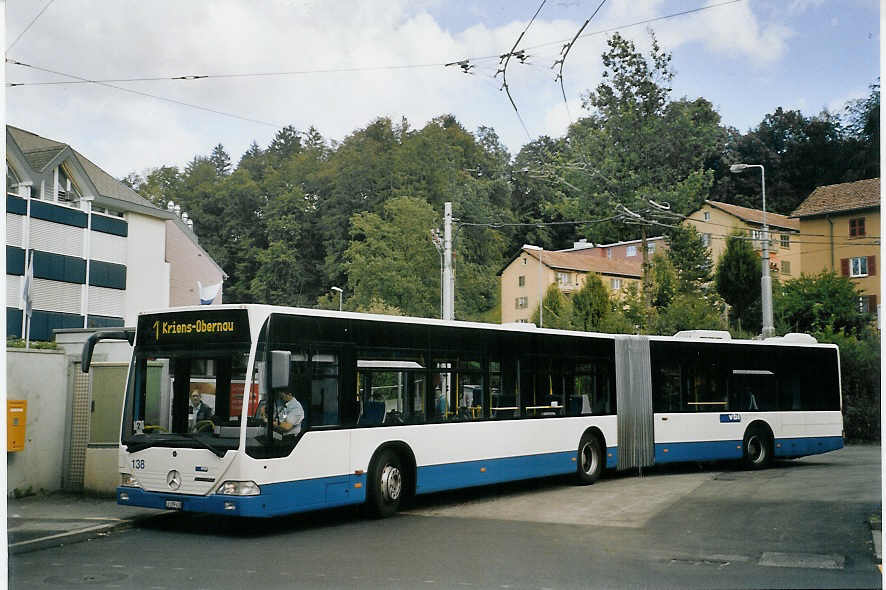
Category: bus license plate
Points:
column 174, row 504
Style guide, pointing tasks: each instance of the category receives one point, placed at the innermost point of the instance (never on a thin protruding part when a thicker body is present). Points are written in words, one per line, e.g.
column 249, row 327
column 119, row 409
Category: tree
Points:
column 391, row 258
column 557, row 310
column 690, row 258
column 690, row 312
column 285, row 144
column 220, row 160
column 819, row 303
column 738, row 275
column 590, row 304
column 662, row 282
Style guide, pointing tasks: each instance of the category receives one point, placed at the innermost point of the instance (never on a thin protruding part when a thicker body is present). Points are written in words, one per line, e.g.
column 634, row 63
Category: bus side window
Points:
column 324, row 389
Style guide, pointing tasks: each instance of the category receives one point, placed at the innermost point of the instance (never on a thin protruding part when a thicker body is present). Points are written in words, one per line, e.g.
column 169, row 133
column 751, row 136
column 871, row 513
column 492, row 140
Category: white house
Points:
column 100, row 252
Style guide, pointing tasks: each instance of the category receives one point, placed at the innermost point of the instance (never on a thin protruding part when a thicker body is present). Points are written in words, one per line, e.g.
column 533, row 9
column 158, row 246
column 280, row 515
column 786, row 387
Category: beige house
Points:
column 716, row 221
column 525, row 279
column 840, row 229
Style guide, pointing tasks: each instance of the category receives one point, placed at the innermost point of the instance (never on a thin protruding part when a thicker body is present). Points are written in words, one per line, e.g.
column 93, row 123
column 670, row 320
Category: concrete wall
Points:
column 147, row 272
column 41, row 378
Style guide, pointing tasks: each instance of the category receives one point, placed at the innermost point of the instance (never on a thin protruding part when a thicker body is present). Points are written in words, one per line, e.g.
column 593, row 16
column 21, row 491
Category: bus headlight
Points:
column 239, row 488
column 126, row 480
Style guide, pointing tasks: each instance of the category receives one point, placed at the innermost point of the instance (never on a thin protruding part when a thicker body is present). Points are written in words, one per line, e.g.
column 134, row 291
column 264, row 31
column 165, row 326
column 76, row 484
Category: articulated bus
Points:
column 396, row 406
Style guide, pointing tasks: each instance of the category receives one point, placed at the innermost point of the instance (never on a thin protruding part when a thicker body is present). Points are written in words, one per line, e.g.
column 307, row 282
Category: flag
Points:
column 27, row 302
column 208, row 293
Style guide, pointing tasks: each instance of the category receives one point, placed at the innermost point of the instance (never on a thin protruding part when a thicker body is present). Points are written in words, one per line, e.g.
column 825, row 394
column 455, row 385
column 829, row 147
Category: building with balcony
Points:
column 98, row 251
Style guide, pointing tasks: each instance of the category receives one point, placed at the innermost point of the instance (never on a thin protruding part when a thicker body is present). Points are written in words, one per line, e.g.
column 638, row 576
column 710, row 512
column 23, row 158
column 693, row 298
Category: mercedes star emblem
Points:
column 174, row 480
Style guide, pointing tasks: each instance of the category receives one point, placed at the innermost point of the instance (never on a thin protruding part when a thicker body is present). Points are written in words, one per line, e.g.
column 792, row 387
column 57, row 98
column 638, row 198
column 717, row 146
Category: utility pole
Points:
column 448, row 284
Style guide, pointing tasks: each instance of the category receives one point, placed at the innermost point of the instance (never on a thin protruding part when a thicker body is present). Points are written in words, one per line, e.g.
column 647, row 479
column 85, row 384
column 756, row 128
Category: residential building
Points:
column 840, row 229
column 100, row 253
column 529, row 274
column 716, row 221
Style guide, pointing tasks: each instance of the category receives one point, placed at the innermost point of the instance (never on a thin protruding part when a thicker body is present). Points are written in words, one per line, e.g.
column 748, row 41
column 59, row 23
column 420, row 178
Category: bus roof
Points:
column 699, row 336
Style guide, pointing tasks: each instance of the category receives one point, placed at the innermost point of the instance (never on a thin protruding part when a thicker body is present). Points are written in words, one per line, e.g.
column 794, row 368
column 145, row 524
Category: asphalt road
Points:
column 803, row 524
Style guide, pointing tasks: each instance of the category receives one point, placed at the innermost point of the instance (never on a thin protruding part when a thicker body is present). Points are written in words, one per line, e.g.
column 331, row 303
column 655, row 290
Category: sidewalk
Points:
column 49, row 520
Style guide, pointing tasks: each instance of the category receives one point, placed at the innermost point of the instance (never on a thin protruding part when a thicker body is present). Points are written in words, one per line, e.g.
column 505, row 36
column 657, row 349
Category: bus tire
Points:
column 386, row 484
column 590, row 459
column 757, row 449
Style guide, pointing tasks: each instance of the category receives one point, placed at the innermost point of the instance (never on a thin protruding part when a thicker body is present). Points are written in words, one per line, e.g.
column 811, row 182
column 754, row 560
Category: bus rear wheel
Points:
column 590, row 459
column 385, row 484
column 756, row 448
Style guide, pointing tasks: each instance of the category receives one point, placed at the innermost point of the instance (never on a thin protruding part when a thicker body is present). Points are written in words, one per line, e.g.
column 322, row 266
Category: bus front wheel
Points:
column 590, row 459
column 756, row 448
column 385, row 484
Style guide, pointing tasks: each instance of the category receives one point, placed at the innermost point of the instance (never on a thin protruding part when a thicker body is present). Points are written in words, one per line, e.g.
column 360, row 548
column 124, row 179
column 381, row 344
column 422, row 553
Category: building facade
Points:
column 99, row 252
column 529, row 274
column 716, row 221
column 840, row 228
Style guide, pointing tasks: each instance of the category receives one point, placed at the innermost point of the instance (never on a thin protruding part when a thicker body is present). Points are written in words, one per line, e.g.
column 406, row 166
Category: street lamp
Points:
column 339, row 291
column 765, row 281
column 541, row 307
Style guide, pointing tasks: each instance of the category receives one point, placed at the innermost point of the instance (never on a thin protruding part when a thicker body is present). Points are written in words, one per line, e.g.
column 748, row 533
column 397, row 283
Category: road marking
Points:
column 803, row 560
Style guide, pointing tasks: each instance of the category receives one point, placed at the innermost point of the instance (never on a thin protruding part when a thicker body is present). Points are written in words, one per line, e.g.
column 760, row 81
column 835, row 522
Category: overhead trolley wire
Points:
column 466, row 61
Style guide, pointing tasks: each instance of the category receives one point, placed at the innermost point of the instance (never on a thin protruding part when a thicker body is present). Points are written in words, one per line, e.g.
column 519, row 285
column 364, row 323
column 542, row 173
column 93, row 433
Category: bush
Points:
column 860, row 378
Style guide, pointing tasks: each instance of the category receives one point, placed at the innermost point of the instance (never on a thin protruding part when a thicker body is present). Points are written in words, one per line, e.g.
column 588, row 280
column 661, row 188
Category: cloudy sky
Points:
column 347, row 62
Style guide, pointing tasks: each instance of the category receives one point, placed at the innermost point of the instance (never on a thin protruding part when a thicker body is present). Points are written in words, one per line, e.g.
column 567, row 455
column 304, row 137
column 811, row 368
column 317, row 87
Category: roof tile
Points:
column 847, row 196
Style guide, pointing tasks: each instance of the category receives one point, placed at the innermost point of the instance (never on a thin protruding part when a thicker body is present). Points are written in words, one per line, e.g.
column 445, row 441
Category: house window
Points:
column 67, row 190
column 615, row 284
column 563, row 278
column 608, row 252
column 867, row 304
column 785, row 267
column 856, row 227
column 524, row 261
column 650, row 248
column 706, row 240
column 785, row 240
column 632, row 251
column 521, row 281
column 521, row 303
column 707, row 215
column 858, row 266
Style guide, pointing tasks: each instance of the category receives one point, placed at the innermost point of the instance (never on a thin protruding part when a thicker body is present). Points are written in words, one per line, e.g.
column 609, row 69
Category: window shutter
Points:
column 872, row 303
column 872, row 268
column 860, row 227
column 844, row 267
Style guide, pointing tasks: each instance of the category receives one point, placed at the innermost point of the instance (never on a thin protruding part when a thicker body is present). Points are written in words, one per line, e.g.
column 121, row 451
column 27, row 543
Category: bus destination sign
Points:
column 193, row 326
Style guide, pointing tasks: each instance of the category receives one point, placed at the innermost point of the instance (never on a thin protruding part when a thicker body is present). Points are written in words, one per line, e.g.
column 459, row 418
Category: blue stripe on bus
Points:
column 328, row 492
column 275, row 499
column 675, row 452
column 798, row 447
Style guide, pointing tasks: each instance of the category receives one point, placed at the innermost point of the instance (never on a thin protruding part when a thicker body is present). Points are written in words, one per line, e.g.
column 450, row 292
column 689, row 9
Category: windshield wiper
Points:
column 218, row 452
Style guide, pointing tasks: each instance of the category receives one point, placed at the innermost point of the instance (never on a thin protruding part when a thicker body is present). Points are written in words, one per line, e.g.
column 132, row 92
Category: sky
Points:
column 348, row 62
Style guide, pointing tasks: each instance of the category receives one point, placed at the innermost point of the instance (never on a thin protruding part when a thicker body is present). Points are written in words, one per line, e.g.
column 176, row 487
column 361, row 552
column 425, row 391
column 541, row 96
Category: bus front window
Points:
column 186, row 394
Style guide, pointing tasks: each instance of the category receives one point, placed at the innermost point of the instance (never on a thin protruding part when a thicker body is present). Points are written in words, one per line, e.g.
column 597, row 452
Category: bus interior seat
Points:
column 373, row 413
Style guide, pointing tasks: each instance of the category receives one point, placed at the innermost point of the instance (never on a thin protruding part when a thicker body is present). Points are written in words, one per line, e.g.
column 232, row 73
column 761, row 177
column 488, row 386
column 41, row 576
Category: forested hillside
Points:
column 290, row 220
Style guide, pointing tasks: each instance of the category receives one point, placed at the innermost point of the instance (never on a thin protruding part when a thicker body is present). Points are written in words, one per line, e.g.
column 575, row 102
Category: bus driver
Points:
column 288, row 415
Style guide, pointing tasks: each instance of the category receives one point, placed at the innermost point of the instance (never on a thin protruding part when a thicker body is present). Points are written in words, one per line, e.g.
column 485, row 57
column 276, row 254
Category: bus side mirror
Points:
column 127, row 334
column 280, row 363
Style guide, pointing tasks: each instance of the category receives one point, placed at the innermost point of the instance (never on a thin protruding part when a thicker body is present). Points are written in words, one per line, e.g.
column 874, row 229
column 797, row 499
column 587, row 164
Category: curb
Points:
column 77, row 536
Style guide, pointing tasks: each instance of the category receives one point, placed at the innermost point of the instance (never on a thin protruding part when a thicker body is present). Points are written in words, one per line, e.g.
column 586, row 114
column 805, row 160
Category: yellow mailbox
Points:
column 16, row 418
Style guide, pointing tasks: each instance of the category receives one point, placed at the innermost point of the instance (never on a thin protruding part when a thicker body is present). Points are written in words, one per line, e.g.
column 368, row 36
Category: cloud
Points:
column 123, row 132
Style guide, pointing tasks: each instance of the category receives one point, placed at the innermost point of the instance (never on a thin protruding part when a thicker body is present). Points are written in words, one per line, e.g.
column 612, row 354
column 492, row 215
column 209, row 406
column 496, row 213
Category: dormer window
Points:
column 66, row 190
column 12, row 180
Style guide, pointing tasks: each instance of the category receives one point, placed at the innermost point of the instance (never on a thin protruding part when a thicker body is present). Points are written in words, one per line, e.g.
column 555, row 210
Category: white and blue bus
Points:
column 397, row 406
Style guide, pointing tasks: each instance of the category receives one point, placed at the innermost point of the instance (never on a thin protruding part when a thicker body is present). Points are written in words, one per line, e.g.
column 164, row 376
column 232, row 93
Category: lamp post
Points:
column 541, row 307
column 339, row 291
column 765, row 281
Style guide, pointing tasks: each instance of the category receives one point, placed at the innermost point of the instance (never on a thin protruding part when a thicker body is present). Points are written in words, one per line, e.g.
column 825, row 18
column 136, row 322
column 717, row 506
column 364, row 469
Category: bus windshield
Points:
column 187, row 389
